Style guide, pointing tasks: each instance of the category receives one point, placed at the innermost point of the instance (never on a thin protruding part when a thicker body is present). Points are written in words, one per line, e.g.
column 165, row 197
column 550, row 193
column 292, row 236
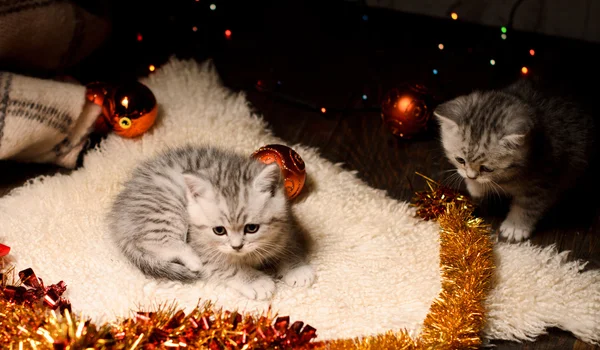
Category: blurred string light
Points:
column 323, row 110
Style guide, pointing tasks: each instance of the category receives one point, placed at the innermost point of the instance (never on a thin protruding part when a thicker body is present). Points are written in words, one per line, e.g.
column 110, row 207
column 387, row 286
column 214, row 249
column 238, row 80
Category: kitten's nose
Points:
column 237, row 247
column 471, row 174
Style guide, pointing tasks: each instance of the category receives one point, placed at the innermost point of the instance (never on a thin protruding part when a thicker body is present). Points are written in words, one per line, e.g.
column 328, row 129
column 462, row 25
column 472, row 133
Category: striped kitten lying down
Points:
column 202, row 213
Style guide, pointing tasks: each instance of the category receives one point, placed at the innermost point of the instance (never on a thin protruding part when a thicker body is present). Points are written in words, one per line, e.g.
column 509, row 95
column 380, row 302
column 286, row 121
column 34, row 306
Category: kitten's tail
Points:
column 168, row 270
column 166, row 266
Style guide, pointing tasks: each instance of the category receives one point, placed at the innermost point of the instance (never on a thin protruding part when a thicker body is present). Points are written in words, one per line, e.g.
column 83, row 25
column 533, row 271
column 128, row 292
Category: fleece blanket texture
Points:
column 377, row 265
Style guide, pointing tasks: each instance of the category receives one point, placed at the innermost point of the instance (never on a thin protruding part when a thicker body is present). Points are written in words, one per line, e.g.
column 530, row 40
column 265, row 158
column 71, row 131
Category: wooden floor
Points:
column 291, row 60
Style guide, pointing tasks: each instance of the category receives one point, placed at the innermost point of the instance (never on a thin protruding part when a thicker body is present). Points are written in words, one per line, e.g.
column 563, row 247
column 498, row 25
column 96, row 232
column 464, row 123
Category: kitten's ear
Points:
column 518, row 131
column 445, row 122
column 196, row 186
column 513, row 141
column 268, row 179
column 449, row 113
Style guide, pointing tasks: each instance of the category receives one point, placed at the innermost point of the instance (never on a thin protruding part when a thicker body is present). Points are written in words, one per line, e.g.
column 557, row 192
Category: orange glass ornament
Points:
column 291, row 164
column 128, row 110
column 406, row 110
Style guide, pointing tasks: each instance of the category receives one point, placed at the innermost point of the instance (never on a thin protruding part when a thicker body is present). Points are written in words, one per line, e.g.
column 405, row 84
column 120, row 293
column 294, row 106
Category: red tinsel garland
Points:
column 28, row 318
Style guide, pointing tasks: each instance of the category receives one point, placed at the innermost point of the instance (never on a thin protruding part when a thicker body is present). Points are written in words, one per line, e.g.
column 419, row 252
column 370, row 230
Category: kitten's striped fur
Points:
column 517, row 142
column 190, row 213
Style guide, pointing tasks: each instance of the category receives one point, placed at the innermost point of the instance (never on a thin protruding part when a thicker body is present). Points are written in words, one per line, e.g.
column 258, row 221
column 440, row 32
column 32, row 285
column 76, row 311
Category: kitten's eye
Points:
column 460, row 160
column 485, row 169
column 251, row 228
column 219, row 230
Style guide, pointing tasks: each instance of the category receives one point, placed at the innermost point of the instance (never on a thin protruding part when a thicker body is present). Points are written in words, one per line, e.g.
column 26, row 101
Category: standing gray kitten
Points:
column 199, row 213
column 519, row 143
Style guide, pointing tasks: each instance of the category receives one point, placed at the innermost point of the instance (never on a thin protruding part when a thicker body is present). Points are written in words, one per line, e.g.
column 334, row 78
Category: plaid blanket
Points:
column 43, row 120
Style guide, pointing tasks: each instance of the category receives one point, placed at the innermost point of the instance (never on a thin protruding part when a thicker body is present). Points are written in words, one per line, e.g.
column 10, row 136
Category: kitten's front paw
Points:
column 513, row 232
column 301, row 276
column 260, row 289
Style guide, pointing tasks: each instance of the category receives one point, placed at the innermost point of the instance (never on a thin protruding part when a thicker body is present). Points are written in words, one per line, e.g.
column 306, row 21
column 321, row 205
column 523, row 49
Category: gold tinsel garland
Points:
column 37, row 317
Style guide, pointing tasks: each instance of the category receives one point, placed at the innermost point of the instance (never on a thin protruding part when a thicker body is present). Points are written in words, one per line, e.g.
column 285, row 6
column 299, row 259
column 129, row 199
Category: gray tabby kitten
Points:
column 516, row 142
column 203, row 213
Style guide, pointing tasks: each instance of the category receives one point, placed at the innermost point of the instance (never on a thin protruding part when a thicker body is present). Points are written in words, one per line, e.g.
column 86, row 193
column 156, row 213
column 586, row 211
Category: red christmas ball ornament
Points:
column 406, row 110
column 128, row 110
column 291, row 165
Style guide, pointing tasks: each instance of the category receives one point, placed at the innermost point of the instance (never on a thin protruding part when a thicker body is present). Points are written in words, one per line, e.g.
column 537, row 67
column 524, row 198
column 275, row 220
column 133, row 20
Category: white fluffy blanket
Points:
column 377, row 265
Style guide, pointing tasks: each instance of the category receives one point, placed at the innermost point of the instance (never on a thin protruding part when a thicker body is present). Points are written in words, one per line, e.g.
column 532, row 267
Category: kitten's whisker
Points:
column 262, row 254
column 265, row 247
column 459, row 181
column 255, row 255
column 490, row 190
column 454, row 180
column 448, row 180
column 498, row 189
column 214, row 256
column 447, row 171
column 498, row 186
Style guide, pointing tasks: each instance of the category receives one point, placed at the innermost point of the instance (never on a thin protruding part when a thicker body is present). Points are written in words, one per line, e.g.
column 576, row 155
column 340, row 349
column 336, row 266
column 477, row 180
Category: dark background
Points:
column 294, row 57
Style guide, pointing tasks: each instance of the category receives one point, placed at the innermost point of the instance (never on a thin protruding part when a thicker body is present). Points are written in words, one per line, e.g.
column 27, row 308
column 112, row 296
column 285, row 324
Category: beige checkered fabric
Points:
column 43, row 121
